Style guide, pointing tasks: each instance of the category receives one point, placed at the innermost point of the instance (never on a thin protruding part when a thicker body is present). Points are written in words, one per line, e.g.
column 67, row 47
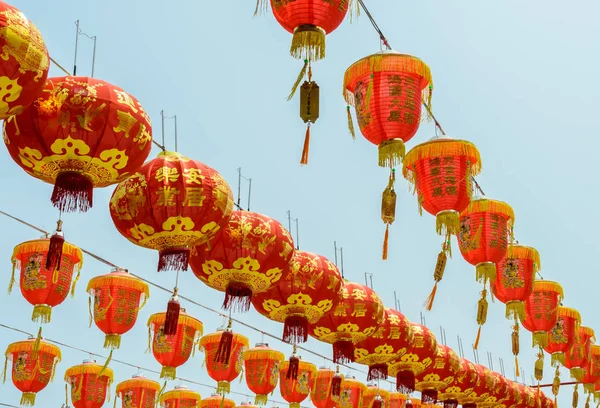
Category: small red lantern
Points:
column 261, row 365
column 541, row 310
column 578, row 357
column 116, row 303
column 249, row 255
column 180, row 397
column 375, row 397
column 90, row 383
column 33, row 367
column 172, row 351
column 171, row 204
column 223, row 353
column 351, row 393
column 80, row 133
column 417, row 360
column 353, row 320
column 25, row 62
column 562, row 336
column 216, row 401
column 295, row 390
column 138, row 392
column 592, row 370
column 309, row 291
column 43, row 287
column 321, row 394
column 443, row 372
column 391, row 340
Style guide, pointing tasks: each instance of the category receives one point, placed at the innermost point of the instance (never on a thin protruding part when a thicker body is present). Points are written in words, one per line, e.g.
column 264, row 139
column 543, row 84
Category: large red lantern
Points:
column 248, row 256
column 80, row 133
column 138, row 392
column 480, row 382
column 562, row 336
column 459, row 389
column 171, row 204
column 351, row 393
column 541, row 310
column 223, row 354
column 216, row 401
column 442, row 374
column 25, row 62
column 390, row 341
column 261, row 364
column 116, row 302
column 354, row 319
column 322, row 395
column 497, row 392
column 309, row 291
column 44, row 287
column 417, row 360
column 513, row 395
column 89, row 383
column 440, row 172
column 172, row 351
column 578, row 357
column 295, row 390
column 180, row 397
column 375, row 397
column 33, row 366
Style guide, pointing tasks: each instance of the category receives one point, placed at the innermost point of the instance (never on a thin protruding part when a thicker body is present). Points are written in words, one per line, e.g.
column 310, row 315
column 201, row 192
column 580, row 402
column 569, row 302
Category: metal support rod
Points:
column 76, row 47
column 94, row 56
column 550, row 385
column 297, row 236
column 239, row 194
column 249, row 192
column 289, row 214
column 335, row 252
column 175, row 119
column 342, row 260
column 162, row 118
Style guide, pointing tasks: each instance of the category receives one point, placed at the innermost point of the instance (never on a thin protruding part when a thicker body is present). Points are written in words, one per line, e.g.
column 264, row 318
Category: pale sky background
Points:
column 519, row 79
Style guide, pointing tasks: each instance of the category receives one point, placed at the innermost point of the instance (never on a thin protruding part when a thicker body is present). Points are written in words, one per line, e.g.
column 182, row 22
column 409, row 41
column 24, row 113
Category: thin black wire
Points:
column 8, row 405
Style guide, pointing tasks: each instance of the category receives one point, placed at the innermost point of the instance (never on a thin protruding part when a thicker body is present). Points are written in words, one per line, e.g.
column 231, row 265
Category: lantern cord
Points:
column 375, row 26
column 8, row 405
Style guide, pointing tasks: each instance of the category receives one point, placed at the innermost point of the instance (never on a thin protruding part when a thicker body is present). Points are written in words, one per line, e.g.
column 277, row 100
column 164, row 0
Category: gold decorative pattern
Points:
column 298, row 303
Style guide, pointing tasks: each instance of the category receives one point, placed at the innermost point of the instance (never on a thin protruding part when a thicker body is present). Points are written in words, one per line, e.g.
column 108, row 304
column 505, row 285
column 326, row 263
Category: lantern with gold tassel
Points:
column 180, row 397
column 445, row 368
column 321, row 394
column 388, row 211
column 440, row 172
column 297, row 378
column 541, row 310
column 261, row 364
column 90, row 384
column 562, row 336
column 223, row 354
column 375, row 397
column 578, row 357
column 483, row 239
column 216, row 401
column 137, row 392
column 33, row 365
column 172, row 351
column 351, row 394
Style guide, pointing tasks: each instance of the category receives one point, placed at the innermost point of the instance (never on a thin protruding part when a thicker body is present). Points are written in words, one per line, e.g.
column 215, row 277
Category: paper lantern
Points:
column 375, row 397
column 513, row 395
column 308, row 292
column 480, row 382
column 459, row 389
column 562, row 336
column 180, row 397
column 223, row 354
column 578, row 357
column 138, row 392
column 391, row 340
column 351, row 393
column 248, row 256
column 295, row 390
column 116, row 302
column 496, row 393
column 387, row 90
column 171, row 204
column 397, row 400
column 321, row 394
column 541, row 310
column 356, row 317
column 44, row 287
column 442, row 373
column 172, row 351
column 417, row 360
column 261, row 364
column 80, row 133
column 217, row 401
column 33, row 365
column 89, row 383
column 592, row 370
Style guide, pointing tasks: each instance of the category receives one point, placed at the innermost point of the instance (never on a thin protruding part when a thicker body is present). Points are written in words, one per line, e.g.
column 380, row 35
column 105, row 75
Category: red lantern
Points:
column 321, row 394
column 375, row 397
column 25, row 62
column 415, row 403
column 541, row 310
column 496, row 393
column 578, row 357
column 261, row 365
column 354, row 319
column 170, row 205
column 89, row 383
column 43, row 287
column 80, row 133
column 592, row 370
column 480, row 382
column 443, row 372
column 138, row 392
column 217, row 401
column 459, row 389
column 116, row 303
column 33, row 367
column 223, row 353
column 513, row 395
column 417, row 360
column 173, row 351
column 562, row 336
column 180, row 397
column 248, row 256
column 397, row 400
column 390, row 341
column 309, row 291
column 295, row 390
column 351, row 393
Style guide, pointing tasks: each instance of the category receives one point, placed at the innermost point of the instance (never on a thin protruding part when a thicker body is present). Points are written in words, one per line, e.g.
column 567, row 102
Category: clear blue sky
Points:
column 519, row 79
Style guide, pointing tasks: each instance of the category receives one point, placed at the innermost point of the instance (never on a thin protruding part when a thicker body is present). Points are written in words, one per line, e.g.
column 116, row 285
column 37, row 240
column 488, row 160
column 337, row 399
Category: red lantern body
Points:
column 562, row 336
column 138, row 392
column 181, row 397
column 480, row 382
column 513, row 395
column 374, row 393
column 390, row 341
column 248, row 256
column 458, row 390
column 353, row 320
column 417, row 360
column 321, row 395
column 215, row 366
column 296, row 391
column 592, row 370
column 116, row 303
column 497, row 392
column 80, row 133
column 42, row 287
column 578, row 357
column 442, row 374
column 170, row 205
column 217, row 401
column 88, row 388
column 386, row 90
column 25, row 62
column 541, row 310
column 261, row 365
column 397, row 400
column 173, row 351
column 32, row 370
column 351, row 394
column 309, row 291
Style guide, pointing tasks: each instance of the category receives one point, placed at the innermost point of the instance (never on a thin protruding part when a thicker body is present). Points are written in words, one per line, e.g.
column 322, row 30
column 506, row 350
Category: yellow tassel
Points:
column 386, row 238
column 28, row 399
column 540, row 339
column 41, row 314
column 12, row 281
column 575, row 396
column 66, row 395
column 308, row 42
column 304, row 159
column 517, row 371
column 116, row 397
column 485, row 272
column 515, row 347
column 168, row 373
column 108, row 360
column 539, row 367
column 428, row 304
column 261, row 7
column 223, row 387
column 577, row 373
column 4, row 370
column 515, row 310
column 476, row 345
column 447, row 223
column 75, row 283
column 112, row 341
column 438, row 274
column 556, row 384
column 558, row 359
column 162, row 391
column 222, row 402
column 90, row 310
column 149, row 349
column 144, row 301
column 482, row 307
column 36, row 344
column 587, row 402
column 350, row 123
column 369, row 92
column 391, row 153
column 298, row 80
column 261, row 399
column 53, row 370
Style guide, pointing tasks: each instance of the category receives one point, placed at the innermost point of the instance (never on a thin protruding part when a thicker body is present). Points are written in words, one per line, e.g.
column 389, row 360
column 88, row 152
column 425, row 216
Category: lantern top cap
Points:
column 138, row 381
column 442, row 147
column 179, row 393
column 120, row 278
column 588, row 331
column 89, row 367
column 548, row 286
column 485, row 204
column 27, row 346
column 43, row 245
column 564, row 311
column 215, row 338
column 184, row 319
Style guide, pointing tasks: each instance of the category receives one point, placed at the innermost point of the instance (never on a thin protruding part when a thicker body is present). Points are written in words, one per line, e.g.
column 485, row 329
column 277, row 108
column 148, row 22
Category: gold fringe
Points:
column 489, row 205
column 350, row 123
column 391, row 153
column 28, row 399
column 304, row 157
column 558, row 359
column 42, row 314
column 215, row 338
column 261, row 7
column 30, row 345
column 548, row 286
column 529, row 253
column 485, row 272
column 184, row 319
column 447, row 223
column 587, row 331
column 261, row 399
column 112, row 341
column 539, row 367
column 223, row 387
column 168, row 373
column 569, row 312
column 12, row 280
column 515, row 309
column 89, row 369
column 121, row 281
column 540, row 338
column 36, row 344
column 369, row 93
column 386, row 238
column 180, row 395
column 43, row 245
column 144, row 301
column 265, row 354
column 308, row 42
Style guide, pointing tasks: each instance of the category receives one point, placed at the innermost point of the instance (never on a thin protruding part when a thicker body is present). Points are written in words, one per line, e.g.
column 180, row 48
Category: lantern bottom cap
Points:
column 168, row 373
column 485, row 272
column 391, row 153
column 308, row 43
column 112, row 341
column 447, row 222
column 223, row 387
column 28, row 399
column 73, row 191
column 261, row 399
column 515, row 309
column 42, row 314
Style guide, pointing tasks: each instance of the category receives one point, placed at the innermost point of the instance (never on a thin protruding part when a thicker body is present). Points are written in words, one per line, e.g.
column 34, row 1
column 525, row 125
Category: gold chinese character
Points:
column 438, row 191
column 166, row 196
column 450, row 179
column 451, row 190
column 439, row 363
column 393, row 319
column 394, row 79
column 435, row 171
column 436, row 161
column 409, row 117
column 167, row 173
column 395, row 103
column 448, row 159
column 394, row 333
column 332, row 282
column 126, row 123
column 125, row 99
column 449, row 170
column 394, row 116
column 345, row 294
column 418, row 342
column 143, row 136
column 378, row 333
column 359, row 294
column 359, row 310
column 409, row 104
column 395, row 90
column 340, row 310
column 193, row 196
column 193, row 176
